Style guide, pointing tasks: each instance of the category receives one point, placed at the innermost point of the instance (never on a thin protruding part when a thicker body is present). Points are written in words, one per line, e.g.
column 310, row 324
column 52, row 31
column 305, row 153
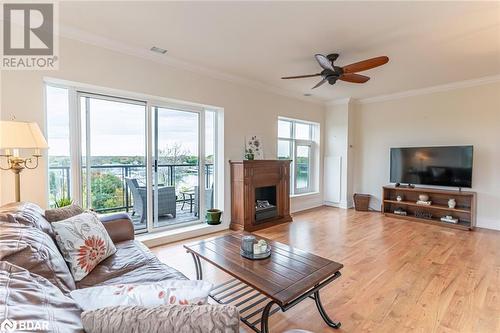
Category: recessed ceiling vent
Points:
column 158, row 50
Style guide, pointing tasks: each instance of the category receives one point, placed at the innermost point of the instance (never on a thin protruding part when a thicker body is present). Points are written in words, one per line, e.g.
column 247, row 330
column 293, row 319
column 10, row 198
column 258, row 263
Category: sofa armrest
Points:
column 164, row 318
column 119, row 226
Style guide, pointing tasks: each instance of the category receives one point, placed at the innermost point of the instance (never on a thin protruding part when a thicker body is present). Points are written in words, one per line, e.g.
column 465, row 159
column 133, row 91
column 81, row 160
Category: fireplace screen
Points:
column 265, row 203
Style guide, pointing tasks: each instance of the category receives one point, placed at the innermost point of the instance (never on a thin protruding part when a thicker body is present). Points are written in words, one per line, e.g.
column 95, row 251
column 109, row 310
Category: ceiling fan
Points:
column 332, row 73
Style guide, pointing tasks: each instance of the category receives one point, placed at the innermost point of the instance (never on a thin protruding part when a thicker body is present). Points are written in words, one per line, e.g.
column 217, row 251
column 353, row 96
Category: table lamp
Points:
column 15, row 135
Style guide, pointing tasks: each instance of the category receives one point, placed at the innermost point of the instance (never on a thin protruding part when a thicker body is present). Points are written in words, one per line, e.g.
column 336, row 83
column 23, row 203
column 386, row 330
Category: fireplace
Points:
column 265, row 203
column 260, row 194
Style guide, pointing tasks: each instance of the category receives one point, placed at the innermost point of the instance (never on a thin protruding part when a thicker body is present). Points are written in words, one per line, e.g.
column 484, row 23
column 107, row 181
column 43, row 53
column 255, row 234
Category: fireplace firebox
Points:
column 260, row 194
column 265, row 203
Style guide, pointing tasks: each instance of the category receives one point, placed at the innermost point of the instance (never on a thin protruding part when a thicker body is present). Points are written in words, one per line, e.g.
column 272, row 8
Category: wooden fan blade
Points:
column 365, row 64
column 354, row 78
column 300, row 76
column 319, row 83
column 324, row 62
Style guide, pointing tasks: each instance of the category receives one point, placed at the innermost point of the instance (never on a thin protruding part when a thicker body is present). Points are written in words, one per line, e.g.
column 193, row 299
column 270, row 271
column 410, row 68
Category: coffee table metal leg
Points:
column 323, row 313
column 264, row 325
column 221, row 297
column 197, row 265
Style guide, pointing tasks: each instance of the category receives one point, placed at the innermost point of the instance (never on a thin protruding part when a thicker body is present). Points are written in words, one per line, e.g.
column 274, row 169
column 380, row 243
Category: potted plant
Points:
column 249, row 155
column 63, row 202
column 213, row 216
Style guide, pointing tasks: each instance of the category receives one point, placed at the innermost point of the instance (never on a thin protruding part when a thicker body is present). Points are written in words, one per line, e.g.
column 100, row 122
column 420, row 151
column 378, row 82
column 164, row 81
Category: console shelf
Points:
column 465, row 209
column 440, row 207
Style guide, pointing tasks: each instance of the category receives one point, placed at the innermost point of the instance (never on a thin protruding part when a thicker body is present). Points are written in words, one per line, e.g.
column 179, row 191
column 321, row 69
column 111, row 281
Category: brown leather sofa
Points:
column 35, row 280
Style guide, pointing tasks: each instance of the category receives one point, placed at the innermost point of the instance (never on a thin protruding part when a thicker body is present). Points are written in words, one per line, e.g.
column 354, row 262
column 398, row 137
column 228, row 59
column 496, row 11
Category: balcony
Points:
column 110, row 191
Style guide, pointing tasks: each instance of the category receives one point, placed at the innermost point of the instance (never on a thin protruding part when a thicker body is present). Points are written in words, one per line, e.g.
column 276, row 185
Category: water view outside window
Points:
column 113, row 151
column 59, row 143
column 176, row 144
column 112, row 174
column 303, row 167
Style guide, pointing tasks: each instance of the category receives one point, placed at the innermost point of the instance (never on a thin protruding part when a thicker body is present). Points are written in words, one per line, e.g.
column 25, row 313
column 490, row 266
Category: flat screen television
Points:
column 439, row 166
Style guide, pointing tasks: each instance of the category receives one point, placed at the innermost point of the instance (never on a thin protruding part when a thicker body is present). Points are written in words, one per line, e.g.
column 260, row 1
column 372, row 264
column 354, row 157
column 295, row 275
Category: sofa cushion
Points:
column 181, row 292
column 165, row 318
column 84, row 243
column 131, row 263
column 28, row 214
column 25, row 296
column 63, row 213
column 34, row 250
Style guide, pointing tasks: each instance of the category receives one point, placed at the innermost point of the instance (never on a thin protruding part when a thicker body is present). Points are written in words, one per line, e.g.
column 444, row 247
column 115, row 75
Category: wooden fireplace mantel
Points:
column 246, row 176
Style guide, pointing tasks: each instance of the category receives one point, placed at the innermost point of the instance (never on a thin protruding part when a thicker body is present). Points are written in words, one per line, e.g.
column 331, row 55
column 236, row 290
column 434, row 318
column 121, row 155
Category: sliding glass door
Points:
column 176, row 170
column 150, row 159
column 113, row 156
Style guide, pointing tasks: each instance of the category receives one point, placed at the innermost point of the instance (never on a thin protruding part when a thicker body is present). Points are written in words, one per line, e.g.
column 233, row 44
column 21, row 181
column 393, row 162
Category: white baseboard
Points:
column 488, row 224
column 175, row 235
column 304, row 202
column 342, row 205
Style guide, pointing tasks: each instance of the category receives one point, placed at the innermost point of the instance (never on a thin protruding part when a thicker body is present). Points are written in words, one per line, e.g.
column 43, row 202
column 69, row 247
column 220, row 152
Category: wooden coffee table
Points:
column 285, row 279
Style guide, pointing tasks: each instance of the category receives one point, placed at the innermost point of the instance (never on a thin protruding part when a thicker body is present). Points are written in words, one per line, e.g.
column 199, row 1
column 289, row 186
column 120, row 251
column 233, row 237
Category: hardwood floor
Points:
column 399, row 276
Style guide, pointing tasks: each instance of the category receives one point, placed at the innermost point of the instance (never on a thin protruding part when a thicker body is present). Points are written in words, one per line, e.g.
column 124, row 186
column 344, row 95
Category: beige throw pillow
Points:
column 84, row 243
column 63, row 213
column 180, row 292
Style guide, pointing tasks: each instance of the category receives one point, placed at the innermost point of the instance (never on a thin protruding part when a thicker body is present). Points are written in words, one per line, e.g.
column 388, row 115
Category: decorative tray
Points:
column 259, row 256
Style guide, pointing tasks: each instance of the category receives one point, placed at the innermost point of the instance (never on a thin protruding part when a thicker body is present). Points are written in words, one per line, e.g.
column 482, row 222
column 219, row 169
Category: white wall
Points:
column 339, row 122
column 247, row 110
column 463, row 116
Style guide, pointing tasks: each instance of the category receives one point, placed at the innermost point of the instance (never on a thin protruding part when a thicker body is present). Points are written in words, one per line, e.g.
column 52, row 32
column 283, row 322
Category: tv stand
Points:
column 465, row 209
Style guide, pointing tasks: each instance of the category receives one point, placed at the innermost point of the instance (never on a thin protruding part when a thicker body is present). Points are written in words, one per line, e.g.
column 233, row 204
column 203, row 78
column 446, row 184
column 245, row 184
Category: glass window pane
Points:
column 177, row 193
column 58, row 140
column 210, row 119
column 284, row 150
column 284, row 129
column 116, row 158
column 302, row 131
column 303, row 167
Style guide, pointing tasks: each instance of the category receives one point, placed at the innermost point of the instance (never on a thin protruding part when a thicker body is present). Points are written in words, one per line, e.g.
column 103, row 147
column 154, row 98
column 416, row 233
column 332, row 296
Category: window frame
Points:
column 309, row 187
column 294, row 143
column 77, row 90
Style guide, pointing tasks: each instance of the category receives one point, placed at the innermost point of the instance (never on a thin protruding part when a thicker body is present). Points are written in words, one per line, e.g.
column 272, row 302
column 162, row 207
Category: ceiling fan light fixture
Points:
column 331, row 73
column 158, row 50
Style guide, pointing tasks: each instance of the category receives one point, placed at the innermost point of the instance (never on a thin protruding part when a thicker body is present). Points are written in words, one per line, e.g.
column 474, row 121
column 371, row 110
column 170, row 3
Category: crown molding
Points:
column 340, row 101
column 432, row 89
column 416, row 92
column 70, row 32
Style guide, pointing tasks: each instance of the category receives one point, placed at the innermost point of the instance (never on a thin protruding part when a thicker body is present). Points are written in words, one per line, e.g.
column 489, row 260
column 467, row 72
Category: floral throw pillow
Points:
column 84, row 243
column 179, row 292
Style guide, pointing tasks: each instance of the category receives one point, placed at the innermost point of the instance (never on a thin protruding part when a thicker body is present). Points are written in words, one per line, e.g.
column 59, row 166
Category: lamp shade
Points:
column 23, row 135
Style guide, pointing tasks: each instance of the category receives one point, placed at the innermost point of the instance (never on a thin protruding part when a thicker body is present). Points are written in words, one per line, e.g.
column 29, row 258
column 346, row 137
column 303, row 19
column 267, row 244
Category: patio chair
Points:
column 166, row 199
column 209, row 199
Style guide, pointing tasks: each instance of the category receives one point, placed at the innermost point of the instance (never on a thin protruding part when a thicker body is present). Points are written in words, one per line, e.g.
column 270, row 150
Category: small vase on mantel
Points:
column 452, row 203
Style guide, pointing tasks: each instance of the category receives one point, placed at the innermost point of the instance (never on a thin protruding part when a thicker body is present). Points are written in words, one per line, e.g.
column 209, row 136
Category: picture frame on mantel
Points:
column 253, row 143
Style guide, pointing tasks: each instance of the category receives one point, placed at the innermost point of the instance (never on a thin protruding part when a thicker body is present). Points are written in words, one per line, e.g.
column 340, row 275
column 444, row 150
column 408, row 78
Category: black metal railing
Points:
column 168, row 175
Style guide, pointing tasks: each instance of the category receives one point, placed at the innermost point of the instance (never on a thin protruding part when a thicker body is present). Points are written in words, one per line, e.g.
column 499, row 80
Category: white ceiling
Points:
column 428, row 43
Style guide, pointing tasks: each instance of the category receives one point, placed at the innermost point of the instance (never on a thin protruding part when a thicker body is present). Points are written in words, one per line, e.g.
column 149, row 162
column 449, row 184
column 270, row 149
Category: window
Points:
column 58, row 140
column 139, row 156
column 297, row 141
